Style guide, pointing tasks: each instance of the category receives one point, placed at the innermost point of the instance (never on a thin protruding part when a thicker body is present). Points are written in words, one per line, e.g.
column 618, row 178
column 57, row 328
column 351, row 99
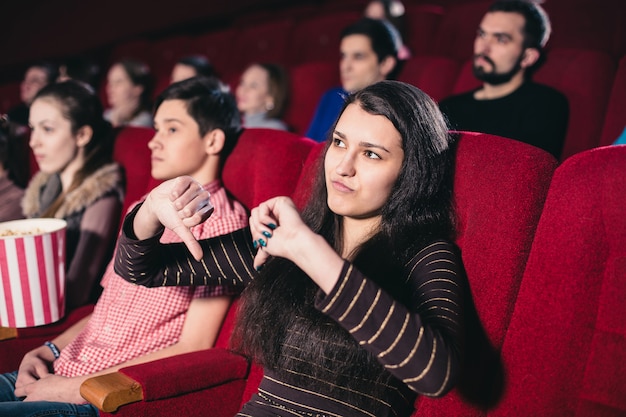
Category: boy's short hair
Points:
column 210, row 104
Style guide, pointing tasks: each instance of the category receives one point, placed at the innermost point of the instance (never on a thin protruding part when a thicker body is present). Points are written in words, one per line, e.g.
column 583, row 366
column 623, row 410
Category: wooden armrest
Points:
column 8, row 333
column 111, row 391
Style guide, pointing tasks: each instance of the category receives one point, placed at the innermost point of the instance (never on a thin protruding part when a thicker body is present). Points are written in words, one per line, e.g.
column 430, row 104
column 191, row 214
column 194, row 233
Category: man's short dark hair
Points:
column 537, row 27
column 210, row 104
column 380, row 37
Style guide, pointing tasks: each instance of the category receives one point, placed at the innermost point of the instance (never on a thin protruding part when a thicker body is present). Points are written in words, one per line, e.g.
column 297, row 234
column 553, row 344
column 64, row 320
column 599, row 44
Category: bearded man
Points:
column 508, row 48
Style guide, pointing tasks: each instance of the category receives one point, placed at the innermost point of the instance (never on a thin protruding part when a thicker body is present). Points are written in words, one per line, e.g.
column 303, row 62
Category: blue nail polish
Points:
column 255, row 244
column 258, row 268
column 266, row 234
column 271, row 226
column 262, row 242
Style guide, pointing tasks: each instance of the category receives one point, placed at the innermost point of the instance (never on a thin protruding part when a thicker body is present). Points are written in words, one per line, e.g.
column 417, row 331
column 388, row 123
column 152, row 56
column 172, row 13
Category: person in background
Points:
column 262, row 96
column 368, row 55
column 508, row 48
column 357, row 305
column 11, row 194
column 192, row 66
column 197, row 125
column 392, row 13
column 36, row 77
column 77, row 181
column 80, row 69
column 129, row 92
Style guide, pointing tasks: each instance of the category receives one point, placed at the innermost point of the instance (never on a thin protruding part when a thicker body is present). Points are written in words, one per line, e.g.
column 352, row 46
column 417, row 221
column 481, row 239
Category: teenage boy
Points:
column 508, row 47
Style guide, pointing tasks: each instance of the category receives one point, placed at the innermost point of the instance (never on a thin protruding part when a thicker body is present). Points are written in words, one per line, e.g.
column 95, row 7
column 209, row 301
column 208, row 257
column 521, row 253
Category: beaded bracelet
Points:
column 55, row 350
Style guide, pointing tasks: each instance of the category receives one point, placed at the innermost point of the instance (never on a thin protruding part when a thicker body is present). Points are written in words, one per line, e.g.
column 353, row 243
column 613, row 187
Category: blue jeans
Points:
column 13, row 406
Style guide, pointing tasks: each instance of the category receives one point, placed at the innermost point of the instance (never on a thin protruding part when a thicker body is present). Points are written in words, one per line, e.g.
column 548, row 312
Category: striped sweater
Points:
column 416, row 344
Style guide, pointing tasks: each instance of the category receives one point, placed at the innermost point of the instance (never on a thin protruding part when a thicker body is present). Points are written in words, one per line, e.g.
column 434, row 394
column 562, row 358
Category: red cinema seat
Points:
column 9, row 96
column 165, row 53
column 435, row 75
column 585, row 77
column 422, row 22
column 499, row 189
column 566, row 345
column 217, row 46
column 262, row 42
column 582, row 24
column 308, row 82
column 457, row 30
column 317, row 38
column 132, row 153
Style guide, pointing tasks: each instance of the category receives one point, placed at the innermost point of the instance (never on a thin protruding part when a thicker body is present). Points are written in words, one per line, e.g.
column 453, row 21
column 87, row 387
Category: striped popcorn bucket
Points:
column 32, row 272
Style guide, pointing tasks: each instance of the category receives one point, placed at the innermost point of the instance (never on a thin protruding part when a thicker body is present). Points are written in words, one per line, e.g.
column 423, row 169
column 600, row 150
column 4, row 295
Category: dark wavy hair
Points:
column 80, row 105
column 417, row 212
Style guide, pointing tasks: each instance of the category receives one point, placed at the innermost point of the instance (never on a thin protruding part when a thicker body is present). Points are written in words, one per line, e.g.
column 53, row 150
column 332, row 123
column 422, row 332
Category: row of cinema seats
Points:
column 586, row 56
column 543, row 247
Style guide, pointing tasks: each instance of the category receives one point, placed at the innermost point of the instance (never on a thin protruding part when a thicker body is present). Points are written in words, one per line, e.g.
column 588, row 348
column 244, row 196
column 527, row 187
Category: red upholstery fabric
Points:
column 136, row 49
column 164, row 54
column 217, row 46
column 615, row 119
column 422, row 22
column 262, row 42
column 182, row 381
column 132, row 153
column 499, row 189
column 9, row 96
column 308, row 83
column 189, row 372
column 582, row 24
column 317, row 38
column 566, row 344
column 457, row 30
column 466, row 80
column 265, row 163
column 13, row 350
column 435, row 75
column 585, row 77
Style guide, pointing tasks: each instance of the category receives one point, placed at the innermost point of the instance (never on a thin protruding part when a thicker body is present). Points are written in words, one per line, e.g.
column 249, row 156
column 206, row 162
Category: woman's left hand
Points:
column 277, row 229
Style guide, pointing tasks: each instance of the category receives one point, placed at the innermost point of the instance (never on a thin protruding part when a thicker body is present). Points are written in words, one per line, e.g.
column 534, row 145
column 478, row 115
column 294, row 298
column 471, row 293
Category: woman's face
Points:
column 120, row 88
column 362, row 164
column 51, row 138
column 252, row 93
